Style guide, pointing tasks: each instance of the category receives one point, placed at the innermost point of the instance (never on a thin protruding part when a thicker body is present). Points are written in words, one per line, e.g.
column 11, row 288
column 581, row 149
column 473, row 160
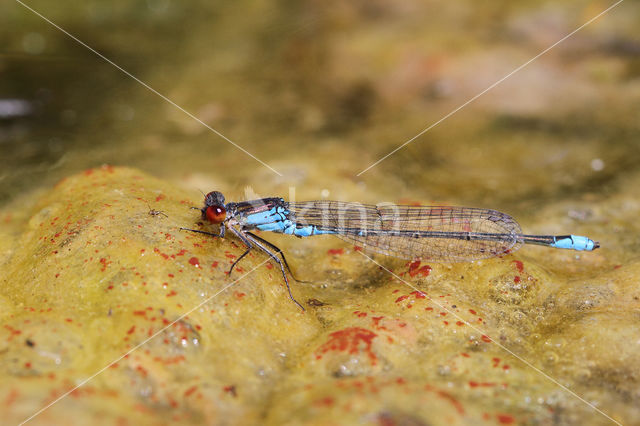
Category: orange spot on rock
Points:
column 415, row 269
column 327, row 401
column 505, row 419
column 519, row 265
column 351, row 340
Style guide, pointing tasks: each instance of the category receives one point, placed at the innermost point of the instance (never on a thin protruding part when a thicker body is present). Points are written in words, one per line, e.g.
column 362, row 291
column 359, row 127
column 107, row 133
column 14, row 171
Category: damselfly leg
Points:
column 249, row 239
column 277, row 259
column 281, row 253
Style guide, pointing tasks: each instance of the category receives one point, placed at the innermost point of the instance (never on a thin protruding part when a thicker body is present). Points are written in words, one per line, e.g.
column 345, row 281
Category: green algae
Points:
column 93, row 275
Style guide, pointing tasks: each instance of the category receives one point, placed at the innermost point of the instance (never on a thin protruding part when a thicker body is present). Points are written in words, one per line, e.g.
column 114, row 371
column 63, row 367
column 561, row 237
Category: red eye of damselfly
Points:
column 216, row 214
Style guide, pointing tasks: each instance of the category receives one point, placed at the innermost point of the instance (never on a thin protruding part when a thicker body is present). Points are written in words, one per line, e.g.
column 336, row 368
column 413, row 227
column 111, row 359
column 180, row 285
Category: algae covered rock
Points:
column 111, row 314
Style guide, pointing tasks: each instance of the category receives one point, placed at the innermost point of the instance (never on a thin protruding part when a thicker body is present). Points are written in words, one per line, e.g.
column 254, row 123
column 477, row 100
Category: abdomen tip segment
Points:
column 575, row 242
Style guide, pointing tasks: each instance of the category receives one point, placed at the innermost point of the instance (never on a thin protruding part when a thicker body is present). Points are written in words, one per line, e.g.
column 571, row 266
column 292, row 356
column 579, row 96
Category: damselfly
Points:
column 436, row 234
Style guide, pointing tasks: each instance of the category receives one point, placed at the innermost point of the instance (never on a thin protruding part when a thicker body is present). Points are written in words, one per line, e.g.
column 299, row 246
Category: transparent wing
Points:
column 440, row 234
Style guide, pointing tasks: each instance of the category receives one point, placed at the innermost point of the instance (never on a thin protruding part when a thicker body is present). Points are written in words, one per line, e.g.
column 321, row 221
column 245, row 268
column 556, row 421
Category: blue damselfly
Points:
column 435, row 234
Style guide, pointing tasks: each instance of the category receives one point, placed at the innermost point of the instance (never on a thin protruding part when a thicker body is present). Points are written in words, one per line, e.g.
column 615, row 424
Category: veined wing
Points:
column 440, row 234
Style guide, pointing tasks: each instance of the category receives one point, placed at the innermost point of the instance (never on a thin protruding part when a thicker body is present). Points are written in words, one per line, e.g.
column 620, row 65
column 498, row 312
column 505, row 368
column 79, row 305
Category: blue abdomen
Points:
column 574, row 242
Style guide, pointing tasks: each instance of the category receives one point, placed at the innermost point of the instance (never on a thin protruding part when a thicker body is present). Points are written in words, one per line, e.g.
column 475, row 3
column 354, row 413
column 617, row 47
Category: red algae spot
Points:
column 357, row 248
column 416, row 294
column 195, row 262
column 376, row 321
column 472, row 312
column 141, row 313
column 459, row 323
column 516, row 279
column 131, row 330
column 327, row 401
column 269, row 265
column 334, row 252
column 214, row 264
column 157, row 251
column 160, row 197
column 229, row 255
column 360, row 314
column 171, row 293
column 505, row 419
column 485, row 338
column 143, row 371
column 191, row 390
column 167, row 256
column 415, row 269
column 231, row 390
column 12, row 397
column 239, row 295
column 466, row 355
column 350, row 340
column 401, row 298
column 456, row 404
column 481, row 384
column 519, row 265
column 104, row 263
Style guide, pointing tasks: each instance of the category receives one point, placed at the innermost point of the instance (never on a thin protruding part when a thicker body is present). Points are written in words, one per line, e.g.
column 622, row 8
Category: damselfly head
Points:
column 214, row 198
column 213, row 209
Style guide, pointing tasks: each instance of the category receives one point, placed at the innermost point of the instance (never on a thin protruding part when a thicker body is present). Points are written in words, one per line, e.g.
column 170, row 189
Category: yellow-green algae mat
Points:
column 93, row 270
